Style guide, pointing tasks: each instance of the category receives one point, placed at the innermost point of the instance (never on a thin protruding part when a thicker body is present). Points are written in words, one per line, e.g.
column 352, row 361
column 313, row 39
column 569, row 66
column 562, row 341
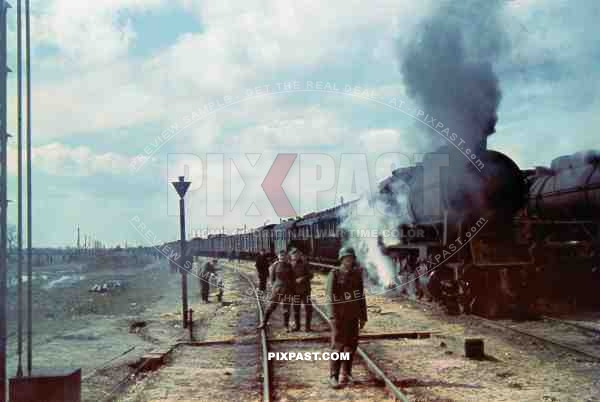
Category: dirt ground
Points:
column 217, row 372
column 233, row 372
column 76, row 328
column 516, row 368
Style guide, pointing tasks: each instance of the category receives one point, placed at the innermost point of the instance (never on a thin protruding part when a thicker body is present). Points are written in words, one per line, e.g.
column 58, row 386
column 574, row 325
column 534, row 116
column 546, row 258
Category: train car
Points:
column 217, row 245
column 247, row 244
column 284, row 234
column 327, row 236
column 265, row 239
column 562, row 224
column 234, row 249
column 304, row 235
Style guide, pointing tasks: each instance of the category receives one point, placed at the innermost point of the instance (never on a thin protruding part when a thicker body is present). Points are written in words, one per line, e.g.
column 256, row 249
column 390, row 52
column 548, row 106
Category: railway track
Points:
column 264, row 346
column 372, row 366
column 230, row 361
column 555, row 333
column 592, row 330
column 575, row 338
column 299, row 379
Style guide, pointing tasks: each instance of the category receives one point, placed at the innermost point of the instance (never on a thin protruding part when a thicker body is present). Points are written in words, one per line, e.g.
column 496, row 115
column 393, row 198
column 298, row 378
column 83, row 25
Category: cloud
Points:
column 91, row 83
column 88, row 33
column 60, row 160
column 100, row 86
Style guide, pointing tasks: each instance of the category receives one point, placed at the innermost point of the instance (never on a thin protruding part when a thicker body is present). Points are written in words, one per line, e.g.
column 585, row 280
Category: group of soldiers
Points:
column 290, row 279
column 291, row 287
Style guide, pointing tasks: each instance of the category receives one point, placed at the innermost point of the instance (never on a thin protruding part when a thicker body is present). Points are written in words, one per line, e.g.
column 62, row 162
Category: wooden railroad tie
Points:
column 382, row 335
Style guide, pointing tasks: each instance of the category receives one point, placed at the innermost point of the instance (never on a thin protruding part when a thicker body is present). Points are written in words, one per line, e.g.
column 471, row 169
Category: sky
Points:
column 216, row 90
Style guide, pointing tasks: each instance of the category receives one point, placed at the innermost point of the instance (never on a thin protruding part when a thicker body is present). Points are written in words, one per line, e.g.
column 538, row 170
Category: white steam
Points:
column 370, row 226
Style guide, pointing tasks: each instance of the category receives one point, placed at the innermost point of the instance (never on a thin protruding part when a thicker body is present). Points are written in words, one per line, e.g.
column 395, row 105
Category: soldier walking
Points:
column 348, row 313
column 262, row 268
column 205, row 274
column 282, row 289
column 302, row 288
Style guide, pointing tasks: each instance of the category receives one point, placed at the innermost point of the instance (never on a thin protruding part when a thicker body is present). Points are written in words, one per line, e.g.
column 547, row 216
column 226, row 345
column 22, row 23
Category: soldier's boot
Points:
column 265, row 320
column 308, row 317
column 346, row 365
column 334, row 373
column 286, row 321
column 296, row 319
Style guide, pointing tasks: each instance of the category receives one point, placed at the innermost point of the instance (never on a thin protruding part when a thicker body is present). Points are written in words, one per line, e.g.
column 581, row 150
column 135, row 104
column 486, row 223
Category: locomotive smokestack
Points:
column 487, row 131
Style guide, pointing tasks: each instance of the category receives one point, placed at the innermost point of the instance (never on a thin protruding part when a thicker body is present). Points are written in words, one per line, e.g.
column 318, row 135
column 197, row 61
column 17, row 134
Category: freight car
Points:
column 317, row 234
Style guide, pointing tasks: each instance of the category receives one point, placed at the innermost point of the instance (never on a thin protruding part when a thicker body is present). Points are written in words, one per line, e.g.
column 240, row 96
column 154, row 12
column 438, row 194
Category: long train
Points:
column 537, row 233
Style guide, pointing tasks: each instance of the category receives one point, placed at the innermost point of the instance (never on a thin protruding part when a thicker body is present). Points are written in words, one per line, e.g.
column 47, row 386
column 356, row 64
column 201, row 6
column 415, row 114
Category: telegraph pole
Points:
column 20, row 190
column 181, row 187
column 29, row 205
column 3, row 200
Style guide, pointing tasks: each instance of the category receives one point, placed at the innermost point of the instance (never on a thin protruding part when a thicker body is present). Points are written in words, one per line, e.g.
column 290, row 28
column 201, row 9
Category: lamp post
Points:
column 181, row 187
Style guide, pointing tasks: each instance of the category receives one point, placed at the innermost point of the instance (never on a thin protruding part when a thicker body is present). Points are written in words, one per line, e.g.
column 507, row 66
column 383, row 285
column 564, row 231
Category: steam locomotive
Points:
column 537, row 235
column 502, row 240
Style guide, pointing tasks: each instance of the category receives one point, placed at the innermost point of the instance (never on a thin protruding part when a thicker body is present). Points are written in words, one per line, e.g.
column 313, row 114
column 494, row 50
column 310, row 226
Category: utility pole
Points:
column 29, row 199
column 3, row 200
column 181, row 187
column 20, row 190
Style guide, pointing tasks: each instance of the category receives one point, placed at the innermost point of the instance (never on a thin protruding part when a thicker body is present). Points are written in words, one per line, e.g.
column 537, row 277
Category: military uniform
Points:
column 282, row 290
column 207, row 270
column 262, row 268
column 302, row 290
column 348, row 310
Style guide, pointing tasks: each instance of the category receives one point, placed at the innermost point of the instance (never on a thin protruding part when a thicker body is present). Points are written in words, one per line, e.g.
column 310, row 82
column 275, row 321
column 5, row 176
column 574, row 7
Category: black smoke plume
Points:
column 447, row 67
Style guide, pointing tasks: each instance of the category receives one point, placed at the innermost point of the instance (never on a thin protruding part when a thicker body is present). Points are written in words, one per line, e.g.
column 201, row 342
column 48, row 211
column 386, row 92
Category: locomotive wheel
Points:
column 483, row 296
column 444, row 289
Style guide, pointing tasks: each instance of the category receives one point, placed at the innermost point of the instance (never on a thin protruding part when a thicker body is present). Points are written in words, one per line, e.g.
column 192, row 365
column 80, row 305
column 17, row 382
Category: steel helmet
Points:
column 345, row 252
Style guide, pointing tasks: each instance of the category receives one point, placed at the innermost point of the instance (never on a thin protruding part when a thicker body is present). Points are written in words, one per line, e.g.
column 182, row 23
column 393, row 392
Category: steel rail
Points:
column 582, row 327
column 371, row 365
column 266, row 372
column 498, row 325
column 570, row 348
column 373, row 368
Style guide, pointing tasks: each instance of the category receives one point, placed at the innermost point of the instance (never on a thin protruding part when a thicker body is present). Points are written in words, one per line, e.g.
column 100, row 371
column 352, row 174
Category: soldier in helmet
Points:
column 348, row 313
column 205, row 274
column 282, row 289
column 262, row 268
column 303, row 276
